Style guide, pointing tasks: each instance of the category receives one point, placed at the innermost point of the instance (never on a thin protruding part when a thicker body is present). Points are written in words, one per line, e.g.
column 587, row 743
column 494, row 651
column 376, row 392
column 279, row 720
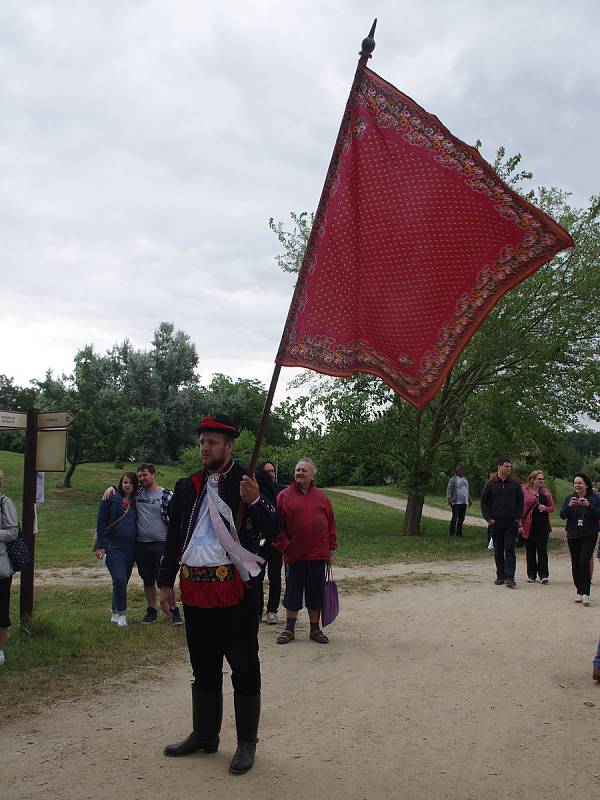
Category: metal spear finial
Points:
column 368, row 44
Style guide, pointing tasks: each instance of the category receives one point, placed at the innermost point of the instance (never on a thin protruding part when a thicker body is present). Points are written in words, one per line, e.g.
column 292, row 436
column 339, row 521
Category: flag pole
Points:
column 366, row 50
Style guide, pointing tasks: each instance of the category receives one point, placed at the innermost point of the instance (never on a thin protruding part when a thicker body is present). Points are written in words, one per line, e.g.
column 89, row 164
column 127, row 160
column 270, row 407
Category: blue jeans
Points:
column 504, row 534
column 597, row 659
column 120, row 564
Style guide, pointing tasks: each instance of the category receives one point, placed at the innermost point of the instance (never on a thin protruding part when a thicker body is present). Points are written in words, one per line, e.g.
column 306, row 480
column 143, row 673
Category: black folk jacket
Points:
column 260, row 521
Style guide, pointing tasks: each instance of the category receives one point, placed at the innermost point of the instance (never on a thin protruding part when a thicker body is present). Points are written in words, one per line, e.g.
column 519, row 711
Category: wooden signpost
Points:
column 45, row 451
column 11, row 419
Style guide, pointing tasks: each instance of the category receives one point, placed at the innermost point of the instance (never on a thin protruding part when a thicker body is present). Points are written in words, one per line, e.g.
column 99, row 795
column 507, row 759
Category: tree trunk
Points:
column 69, row 474
column 412, row 516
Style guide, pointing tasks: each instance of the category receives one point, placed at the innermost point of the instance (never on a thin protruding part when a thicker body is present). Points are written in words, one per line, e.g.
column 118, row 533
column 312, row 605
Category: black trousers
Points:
column 273, row 570
column 459, row 511
column 214, row 633
column 536, row 546
column 582, row 550
column 504, row 533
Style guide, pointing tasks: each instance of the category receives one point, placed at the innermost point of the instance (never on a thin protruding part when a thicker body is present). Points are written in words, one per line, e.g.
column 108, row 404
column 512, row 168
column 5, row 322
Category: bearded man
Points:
column 217, row 569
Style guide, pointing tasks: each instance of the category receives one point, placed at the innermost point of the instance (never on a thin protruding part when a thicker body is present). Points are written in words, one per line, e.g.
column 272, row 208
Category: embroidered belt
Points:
column 220, row 574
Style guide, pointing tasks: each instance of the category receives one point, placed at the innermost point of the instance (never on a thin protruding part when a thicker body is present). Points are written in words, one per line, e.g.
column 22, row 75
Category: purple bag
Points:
column 331, row 602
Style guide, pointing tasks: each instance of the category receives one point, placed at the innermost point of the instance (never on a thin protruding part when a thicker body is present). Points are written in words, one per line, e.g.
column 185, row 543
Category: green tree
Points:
column 99, row 409
column 14, row 398
column 243, row 400
column 162, row 381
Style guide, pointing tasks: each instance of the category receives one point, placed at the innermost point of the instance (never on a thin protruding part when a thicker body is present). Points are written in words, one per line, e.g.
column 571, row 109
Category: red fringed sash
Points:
column 211, row 595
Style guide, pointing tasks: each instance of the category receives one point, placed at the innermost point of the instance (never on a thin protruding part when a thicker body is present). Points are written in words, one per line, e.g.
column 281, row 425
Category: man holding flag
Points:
column 217, row 569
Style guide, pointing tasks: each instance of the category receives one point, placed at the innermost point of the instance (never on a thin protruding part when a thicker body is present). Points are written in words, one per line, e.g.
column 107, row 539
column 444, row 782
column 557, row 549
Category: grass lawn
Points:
column 370, row 534
column 367, row 533
column 67, row 518
column 71, row 648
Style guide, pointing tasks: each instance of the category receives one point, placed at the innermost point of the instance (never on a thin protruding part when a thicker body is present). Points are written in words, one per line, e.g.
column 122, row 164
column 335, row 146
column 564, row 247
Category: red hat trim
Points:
column 210, row 422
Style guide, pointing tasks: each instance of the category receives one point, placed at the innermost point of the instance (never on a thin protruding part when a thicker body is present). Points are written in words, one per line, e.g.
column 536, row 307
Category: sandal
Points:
column 285, row 637
column 319, row 636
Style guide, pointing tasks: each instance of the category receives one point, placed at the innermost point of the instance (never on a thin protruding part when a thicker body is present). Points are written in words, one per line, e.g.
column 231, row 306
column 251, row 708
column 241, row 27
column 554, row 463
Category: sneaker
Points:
column 499, row 582
column 175, row 617
column 151, row 616
column 114, row 617
column 2, row 659
column 586, row 600
column 545, row 581
column 122, row 621
column 510, row 583
column 578, row 598
column 530, row 580
column 271, row 618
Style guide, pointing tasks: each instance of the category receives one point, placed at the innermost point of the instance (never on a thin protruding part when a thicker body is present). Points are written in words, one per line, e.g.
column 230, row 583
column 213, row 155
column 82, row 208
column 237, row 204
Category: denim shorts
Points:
column 147, row 558
column 304, row 578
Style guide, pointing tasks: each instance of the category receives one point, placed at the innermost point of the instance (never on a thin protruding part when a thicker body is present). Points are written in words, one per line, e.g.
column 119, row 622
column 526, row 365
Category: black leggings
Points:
column 214, row 633
column 273, row 568
column 5, row 601
column 582, row 550
column 537, row 552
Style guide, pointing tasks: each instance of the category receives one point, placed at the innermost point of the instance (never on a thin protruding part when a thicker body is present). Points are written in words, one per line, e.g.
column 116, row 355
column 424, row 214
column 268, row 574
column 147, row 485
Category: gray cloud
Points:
column 144, row 145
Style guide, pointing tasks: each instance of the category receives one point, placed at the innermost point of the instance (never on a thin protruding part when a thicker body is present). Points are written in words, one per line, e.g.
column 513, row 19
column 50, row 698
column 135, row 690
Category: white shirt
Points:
column 462, row 490
column 204, row 549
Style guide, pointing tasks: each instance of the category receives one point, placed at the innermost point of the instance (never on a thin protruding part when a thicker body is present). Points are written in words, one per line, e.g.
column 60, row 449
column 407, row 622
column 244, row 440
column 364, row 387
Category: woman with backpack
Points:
column 116, row 531
column 9, row 531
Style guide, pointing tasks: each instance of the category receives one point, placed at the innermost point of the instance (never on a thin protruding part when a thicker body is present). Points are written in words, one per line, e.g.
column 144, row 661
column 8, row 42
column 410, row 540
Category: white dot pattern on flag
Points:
column 415, row 240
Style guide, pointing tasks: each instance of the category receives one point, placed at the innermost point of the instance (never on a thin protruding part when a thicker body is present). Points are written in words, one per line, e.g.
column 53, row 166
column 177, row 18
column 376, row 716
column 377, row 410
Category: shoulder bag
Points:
column 331, row 602
column 17, row 551
column 108, row 527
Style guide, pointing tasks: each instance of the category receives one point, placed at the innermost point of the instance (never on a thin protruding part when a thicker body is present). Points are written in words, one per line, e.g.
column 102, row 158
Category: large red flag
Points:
column 415, row 240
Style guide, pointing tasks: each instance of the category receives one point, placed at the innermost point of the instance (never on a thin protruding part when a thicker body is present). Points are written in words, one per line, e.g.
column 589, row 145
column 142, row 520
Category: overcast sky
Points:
column 145, row 144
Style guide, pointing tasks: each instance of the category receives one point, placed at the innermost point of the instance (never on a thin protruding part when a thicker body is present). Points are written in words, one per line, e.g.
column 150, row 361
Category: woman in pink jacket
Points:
column 535, row 526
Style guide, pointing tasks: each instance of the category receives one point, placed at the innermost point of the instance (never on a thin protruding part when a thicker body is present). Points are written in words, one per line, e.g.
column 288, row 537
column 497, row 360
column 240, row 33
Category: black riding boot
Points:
column 207, row 713
column 247, row 715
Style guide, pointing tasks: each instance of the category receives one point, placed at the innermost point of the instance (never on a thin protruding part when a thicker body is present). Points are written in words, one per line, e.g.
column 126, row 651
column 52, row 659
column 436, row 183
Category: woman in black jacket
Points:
column 581, row 510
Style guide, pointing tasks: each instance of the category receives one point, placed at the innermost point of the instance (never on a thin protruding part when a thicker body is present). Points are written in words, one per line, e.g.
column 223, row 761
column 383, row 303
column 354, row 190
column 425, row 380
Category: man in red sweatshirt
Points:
column 307, row 539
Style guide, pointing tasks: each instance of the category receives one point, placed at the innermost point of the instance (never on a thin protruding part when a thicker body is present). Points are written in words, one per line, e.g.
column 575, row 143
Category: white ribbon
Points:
column 246, row 562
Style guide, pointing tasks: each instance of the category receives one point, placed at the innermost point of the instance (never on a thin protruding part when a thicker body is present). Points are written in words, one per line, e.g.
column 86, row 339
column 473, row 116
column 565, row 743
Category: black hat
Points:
column 219, row 423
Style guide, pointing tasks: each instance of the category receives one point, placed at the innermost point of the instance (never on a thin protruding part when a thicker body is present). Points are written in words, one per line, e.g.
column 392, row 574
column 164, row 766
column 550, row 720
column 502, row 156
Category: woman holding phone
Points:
column 581, row 510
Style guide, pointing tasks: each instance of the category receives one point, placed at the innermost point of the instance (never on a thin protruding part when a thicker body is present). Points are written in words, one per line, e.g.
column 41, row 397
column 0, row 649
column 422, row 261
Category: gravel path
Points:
column 435, row 684
column 400, row 503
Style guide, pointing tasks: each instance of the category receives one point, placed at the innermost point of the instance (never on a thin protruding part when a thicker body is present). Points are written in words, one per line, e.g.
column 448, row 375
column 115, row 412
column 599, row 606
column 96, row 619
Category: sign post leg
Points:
column 29, row 487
